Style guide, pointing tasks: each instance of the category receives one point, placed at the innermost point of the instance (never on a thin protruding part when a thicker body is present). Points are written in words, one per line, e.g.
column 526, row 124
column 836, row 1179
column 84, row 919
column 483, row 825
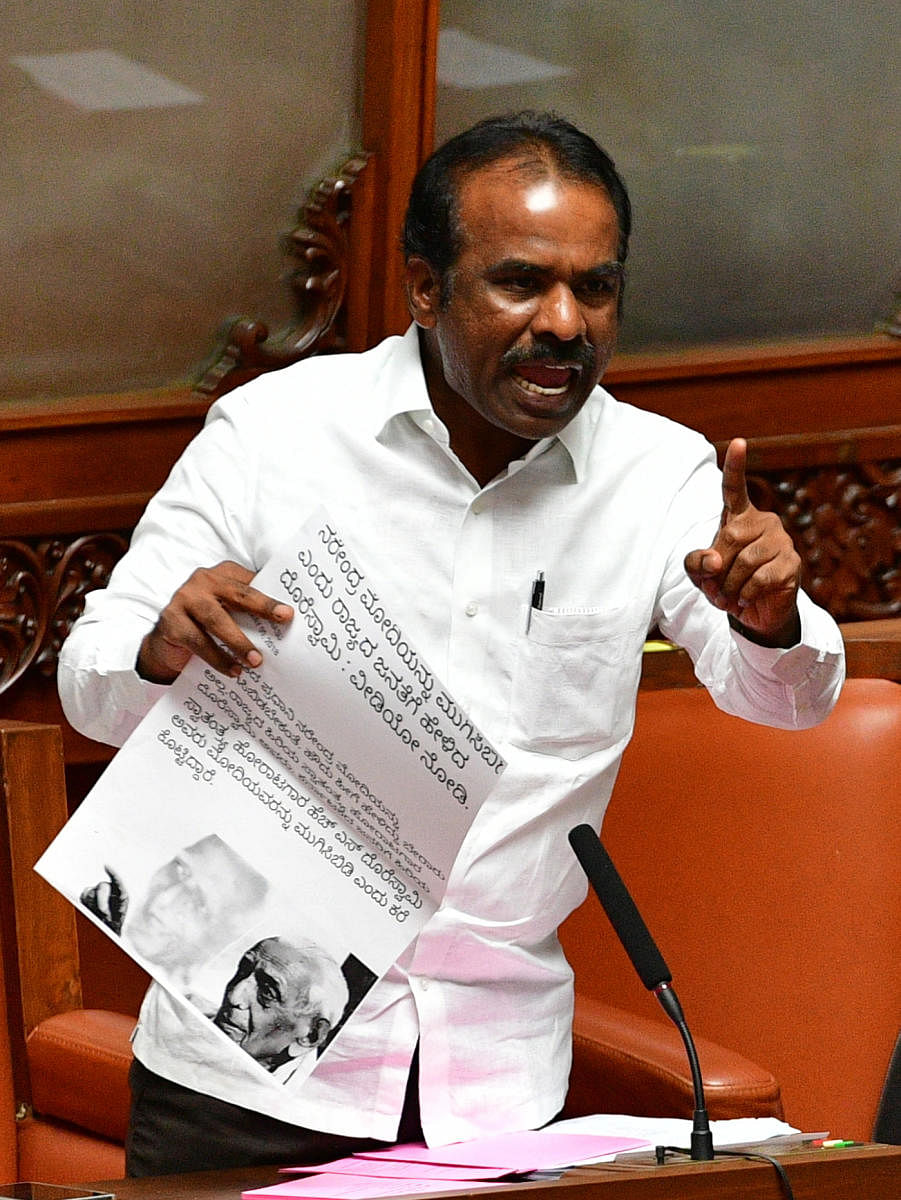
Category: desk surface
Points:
column 858, row 1173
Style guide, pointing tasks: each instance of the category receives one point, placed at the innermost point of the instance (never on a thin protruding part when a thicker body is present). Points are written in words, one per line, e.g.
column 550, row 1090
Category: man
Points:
column 466, row 462
column 194, row 905
column 282, row 1002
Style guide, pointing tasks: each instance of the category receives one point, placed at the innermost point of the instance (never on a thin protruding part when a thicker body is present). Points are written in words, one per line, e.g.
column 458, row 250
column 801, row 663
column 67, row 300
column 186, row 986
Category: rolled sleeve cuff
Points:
column 809, row 676
column 111, row 712
column 820, row 645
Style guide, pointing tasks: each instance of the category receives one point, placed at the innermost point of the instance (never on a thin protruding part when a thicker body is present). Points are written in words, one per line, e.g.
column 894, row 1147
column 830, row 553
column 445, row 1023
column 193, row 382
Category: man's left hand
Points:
column 752, row 570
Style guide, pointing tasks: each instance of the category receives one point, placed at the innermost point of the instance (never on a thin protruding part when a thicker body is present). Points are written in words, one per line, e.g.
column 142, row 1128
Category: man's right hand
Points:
column 197, row 620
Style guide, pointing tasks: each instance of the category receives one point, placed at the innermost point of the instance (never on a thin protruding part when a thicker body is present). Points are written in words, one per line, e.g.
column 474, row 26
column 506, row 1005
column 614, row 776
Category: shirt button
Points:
column 428, row 425
column 471, row 608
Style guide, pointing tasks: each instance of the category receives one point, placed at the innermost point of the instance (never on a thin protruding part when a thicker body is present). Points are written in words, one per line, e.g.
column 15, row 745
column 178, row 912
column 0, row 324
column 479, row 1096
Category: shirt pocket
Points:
column 575, row 676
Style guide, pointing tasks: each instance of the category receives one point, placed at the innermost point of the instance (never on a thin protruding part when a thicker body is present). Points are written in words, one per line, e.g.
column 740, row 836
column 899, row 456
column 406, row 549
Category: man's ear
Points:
column 423, row 289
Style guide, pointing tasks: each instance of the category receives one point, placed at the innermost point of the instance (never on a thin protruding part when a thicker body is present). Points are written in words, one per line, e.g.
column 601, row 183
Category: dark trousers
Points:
column 173, row 1129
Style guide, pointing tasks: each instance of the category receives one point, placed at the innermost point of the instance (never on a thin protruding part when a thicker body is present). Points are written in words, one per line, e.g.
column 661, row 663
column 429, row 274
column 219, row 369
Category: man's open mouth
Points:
column 543, row 378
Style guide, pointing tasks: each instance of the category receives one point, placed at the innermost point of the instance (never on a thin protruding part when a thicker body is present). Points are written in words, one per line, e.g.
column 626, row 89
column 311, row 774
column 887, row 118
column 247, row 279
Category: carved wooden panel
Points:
column 318, row 276
column 43, row 583
column 845, row 521
column 839, row 496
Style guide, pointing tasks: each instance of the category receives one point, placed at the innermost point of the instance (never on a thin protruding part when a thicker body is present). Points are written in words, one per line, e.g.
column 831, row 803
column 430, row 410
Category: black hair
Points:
column 432, row 225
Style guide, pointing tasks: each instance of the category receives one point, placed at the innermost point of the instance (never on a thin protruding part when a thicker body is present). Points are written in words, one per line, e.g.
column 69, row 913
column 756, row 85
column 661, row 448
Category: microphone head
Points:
column 619, row 907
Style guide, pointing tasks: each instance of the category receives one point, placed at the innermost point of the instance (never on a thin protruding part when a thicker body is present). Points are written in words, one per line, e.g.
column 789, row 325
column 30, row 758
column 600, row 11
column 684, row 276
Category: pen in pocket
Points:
column 536, row 601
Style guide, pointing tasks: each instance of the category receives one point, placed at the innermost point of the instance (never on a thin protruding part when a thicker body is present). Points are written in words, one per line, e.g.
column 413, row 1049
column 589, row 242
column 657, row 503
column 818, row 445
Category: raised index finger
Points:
column 735, row 487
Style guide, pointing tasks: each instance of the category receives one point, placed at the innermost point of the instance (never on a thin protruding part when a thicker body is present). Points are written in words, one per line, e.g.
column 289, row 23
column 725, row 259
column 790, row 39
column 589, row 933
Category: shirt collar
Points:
column 402, row 385
column 578, row 435
column 404, row 393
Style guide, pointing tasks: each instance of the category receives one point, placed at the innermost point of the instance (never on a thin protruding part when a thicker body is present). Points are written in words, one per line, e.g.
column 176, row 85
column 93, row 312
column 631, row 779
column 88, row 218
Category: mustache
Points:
column 557, row 354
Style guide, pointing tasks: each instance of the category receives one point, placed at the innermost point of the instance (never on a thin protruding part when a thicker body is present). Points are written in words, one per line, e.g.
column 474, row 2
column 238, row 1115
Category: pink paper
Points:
column 531, row 1150
column 356, row 1187
column 385, row 1168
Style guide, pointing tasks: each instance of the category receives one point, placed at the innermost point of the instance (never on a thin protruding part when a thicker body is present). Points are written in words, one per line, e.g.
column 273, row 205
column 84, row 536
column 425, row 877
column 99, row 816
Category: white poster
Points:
column 268, row 845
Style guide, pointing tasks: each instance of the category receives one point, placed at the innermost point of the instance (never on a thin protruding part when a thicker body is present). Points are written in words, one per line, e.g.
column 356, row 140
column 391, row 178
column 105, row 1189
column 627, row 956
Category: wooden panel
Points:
column 398, row 127
column 873, row 649
column 768, row 390
column 103, row 460
column 39, row 935
column 34, row 698
column 89, row 463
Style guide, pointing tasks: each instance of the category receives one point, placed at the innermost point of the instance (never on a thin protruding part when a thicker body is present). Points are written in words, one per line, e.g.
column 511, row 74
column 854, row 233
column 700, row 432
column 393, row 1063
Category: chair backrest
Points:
column 41, row 931
column 38, row 924
column 8, row 1164
column 767, row 864
column 68, row 1067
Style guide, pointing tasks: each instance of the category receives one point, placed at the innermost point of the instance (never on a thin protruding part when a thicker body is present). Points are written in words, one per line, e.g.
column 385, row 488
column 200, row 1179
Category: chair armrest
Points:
column 78, row 1062
column 623, row 1063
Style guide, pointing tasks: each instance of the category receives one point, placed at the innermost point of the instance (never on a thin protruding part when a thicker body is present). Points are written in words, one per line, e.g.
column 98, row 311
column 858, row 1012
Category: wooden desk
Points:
column 865, row 1173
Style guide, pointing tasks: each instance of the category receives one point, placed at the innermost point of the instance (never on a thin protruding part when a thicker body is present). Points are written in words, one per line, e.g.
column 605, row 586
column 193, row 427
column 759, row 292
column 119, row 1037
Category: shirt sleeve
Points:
column 195, row 520
column 787, row 688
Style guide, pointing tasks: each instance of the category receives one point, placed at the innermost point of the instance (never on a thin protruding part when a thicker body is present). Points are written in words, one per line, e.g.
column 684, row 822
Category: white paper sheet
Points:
column 320, row 800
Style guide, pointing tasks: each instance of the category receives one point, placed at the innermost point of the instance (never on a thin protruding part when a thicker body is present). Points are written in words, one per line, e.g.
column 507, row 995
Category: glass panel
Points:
column 759, row 142
column 153, row 155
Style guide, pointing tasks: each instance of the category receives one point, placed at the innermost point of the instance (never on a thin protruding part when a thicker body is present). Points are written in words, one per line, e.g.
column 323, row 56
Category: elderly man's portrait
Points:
column 282, row 1003
column 193, row 906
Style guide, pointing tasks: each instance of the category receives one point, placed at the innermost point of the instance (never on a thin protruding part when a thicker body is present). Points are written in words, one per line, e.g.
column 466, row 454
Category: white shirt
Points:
column 607, row 510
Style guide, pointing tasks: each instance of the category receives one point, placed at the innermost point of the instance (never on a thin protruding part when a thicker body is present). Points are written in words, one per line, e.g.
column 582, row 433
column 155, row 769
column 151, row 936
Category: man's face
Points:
column 187, row 910
column 532, row 316
column 266, row 1005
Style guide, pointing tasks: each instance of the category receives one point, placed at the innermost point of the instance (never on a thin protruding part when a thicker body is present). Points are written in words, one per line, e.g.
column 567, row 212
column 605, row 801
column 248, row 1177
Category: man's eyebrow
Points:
column 611, row 267
column 516, row 264
column 262, row 976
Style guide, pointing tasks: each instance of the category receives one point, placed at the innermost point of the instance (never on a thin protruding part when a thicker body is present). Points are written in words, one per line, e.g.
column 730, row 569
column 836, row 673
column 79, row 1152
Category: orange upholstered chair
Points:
column 767, row 864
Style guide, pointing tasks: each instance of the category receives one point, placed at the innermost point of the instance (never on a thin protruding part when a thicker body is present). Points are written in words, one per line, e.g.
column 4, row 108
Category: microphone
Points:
column 648, row 962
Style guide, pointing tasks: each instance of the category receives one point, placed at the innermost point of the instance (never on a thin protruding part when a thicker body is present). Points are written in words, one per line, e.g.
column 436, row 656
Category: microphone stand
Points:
column 701, row 1137
column 647, row 960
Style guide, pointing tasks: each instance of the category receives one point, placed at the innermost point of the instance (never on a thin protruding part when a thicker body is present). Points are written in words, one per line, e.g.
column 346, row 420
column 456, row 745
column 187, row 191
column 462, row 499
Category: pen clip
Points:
column 538, row 591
